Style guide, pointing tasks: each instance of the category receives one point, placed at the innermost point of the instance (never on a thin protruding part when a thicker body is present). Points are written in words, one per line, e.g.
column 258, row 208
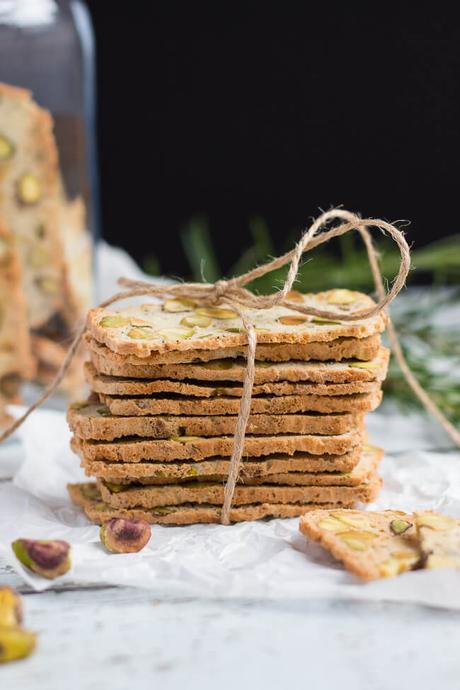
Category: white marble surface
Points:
column 120, row 638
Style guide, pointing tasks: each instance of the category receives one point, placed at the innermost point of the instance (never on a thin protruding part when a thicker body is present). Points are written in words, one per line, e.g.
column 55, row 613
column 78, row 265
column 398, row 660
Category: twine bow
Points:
column 233, row 292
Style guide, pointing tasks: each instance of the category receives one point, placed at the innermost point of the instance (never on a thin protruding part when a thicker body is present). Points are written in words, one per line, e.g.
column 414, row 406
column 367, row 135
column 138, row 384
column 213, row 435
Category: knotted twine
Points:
column 234, row 294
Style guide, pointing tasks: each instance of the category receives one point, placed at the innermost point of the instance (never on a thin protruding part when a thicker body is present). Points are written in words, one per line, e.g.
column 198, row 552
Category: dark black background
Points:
column 228, row 109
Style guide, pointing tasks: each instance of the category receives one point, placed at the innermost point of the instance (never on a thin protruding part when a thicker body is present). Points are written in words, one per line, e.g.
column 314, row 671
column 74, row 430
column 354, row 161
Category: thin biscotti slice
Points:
column 90, row 420
column 206, row 389
column 128, row 382
column 87, row 496
column 112, row 363
column 358, row 403
column 185, row 325
column 360, row 474
column 252, row 473
column 170, row 472
column 28, row 200
column 196, row 448
column 213, row 493
column 369, row 544
column 16, row 362
column 76, row 242
column 439, row 537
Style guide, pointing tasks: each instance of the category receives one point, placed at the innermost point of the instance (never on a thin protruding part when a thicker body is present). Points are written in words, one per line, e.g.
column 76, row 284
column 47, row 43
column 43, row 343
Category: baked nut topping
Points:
column 400, row 526
column 125, row 536
column 29, row 189
column 7, row 148
column 178, row 305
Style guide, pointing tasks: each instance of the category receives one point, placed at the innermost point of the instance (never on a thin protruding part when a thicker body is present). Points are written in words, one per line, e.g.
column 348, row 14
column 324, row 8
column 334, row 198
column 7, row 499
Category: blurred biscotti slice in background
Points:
column 16, row 362
column 29, row 202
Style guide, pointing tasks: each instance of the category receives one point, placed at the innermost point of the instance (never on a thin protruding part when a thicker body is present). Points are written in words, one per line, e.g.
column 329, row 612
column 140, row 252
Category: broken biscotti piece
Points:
column 369, row 544
column 439, row 537
column 16, row 361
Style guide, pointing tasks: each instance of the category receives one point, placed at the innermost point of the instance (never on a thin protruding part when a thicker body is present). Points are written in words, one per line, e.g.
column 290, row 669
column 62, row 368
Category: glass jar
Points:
column 48, row 174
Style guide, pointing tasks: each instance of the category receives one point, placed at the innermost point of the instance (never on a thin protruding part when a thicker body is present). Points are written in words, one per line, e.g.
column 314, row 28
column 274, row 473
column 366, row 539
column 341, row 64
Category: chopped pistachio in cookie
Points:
column 88, row 497
column 178, row 324
column 439, row 537
column 113, row 363
column 357, row 403
column 92, row 420
column 160, row 472
column 213, row 492
column 370, row 544
column 198, row 448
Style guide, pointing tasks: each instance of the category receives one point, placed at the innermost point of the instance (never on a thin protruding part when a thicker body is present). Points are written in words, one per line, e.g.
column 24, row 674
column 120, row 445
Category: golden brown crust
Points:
column 113, row 378
column 90, row 420
column 357, row 403
column 206, row 389
column 99, row 512
column 156, row 472
column 213, row 493
column 110, row 362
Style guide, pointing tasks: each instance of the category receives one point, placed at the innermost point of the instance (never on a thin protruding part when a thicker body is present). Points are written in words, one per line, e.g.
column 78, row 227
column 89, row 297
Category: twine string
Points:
column 234, row 293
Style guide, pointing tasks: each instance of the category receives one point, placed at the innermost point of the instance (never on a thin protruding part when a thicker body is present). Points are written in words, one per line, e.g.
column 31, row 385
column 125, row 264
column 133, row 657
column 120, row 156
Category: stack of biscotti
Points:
column 16, row 362
column 50, row 236
column 167, row 379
